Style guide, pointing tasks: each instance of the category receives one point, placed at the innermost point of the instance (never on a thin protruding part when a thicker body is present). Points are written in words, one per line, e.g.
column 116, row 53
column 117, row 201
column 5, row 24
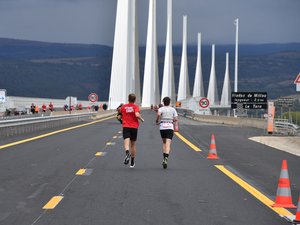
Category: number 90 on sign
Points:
column 203, row 103
column 93, row 97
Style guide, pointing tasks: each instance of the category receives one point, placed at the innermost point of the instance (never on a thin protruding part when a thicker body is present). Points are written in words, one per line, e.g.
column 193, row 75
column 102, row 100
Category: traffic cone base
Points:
column 289, row 206
column 212, row 156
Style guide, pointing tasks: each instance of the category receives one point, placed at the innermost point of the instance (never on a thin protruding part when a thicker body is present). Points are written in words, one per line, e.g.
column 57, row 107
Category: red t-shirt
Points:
column 128, row 115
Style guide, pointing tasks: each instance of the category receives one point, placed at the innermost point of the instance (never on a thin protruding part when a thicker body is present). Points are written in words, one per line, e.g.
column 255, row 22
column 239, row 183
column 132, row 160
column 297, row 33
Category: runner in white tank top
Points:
column 166, row 116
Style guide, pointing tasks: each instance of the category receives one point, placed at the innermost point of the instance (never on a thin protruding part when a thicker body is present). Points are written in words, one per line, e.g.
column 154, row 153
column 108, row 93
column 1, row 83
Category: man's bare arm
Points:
column 139, row 116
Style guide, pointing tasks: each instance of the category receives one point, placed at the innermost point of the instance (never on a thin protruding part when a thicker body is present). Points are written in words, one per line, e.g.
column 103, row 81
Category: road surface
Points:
column 77, row 177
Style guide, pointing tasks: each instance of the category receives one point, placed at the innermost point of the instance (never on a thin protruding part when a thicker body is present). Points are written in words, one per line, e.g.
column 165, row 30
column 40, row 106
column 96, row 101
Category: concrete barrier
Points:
column 242, row 122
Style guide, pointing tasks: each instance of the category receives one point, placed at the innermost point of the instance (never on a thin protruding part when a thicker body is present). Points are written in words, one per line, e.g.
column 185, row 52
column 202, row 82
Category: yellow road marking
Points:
column 53, row 202
column 52, row 133
column 253, row 191
column 108, row 143
column 98, row 153
column 194, row 147
column 81, row 172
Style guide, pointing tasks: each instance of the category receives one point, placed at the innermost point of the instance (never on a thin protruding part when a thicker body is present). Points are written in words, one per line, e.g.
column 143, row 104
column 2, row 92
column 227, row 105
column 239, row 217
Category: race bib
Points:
column 165, row 126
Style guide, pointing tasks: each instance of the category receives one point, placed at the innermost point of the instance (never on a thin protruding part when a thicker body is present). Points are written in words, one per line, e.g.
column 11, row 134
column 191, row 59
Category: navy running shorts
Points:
column 167, row 133
column 130, row 133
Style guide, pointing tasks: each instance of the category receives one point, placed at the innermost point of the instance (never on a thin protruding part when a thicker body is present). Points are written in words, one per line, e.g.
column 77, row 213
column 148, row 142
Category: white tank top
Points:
column 167, row 114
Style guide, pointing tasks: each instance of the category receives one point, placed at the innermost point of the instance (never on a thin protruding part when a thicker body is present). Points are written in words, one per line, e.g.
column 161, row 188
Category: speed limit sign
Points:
column 93, row 97
column 203, row 103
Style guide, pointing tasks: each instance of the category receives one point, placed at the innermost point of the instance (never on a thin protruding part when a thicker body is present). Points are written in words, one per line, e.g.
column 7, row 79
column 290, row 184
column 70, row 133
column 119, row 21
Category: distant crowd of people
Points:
column 34, row 109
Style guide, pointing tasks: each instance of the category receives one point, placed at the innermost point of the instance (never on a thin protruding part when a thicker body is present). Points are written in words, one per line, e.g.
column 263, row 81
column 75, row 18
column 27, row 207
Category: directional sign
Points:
column 249, row 100
column 284, row 102
column 2, row 95
column 204, row 103
column 254, row 106
column 93, row 97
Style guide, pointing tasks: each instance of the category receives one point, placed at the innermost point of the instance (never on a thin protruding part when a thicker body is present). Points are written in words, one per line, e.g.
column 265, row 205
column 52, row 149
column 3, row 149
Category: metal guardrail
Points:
column 26, row 125
column 21, row 121
column 14, row 117
column 284, row 127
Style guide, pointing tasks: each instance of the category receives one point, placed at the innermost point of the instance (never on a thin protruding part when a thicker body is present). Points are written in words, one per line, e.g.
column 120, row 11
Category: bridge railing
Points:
column 284, row 127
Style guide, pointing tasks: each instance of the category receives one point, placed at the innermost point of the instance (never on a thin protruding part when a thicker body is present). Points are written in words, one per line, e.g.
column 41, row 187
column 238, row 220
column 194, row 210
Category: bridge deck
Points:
column 191, row 191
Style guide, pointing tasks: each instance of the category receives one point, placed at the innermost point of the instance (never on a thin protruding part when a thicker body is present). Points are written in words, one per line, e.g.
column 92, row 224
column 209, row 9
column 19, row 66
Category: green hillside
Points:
column 39, row 69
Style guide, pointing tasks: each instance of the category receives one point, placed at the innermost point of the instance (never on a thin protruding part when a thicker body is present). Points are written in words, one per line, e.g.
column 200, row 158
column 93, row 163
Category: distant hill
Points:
column 54, row 70
column 22, row 49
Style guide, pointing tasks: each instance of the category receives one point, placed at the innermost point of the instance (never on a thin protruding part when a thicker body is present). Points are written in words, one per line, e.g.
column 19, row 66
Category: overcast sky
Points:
column 92, row 21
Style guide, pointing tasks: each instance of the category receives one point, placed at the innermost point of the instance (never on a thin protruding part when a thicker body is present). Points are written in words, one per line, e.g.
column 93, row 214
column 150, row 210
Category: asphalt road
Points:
column 191, row 191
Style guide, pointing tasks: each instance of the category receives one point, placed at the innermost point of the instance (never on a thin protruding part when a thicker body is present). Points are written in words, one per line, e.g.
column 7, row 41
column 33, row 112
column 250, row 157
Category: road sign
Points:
column 297, row 82
column 2, row 95
column 93, row 97
column 284, row 102
column 254, row 106
column 249, row 100
column 203, row 103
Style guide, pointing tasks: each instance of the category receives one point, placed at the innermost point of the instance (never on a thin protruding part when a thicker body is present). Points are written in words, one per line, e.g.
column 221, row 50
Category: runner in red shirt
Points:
column 44, row 107
column 130, row 116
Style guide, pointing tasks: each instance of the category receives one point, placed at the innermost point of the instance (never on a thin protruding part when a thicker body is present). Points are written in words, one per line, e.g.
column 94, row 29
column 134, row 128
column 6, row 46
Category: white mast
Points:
column 212, row 93
column 236, row 55
column 184, row 87
column 125, row 63
column 226, row 92
column 168, row 84
column 198, row 83
column 151, row 82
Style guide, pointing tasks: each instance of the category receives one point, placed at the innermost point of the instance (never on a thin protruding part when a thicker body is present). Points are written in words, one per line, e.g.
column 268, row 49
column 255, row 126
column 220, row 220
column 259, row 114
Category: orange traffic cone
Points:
column 212, row 154
column 297, row 219
column 283, row 195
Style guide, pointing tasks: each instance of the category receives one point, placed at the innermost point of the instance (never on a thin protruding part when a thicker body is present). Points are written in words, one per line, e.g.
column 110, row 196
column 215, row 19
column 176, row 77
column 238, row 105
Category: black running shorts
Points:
column 167, row 133
column 130, row 133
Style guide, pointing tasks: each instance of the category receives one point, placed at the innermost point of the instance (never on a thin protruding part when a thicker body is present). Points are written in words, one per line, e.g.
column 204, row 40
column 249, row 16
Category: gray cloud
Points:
column 92, row 21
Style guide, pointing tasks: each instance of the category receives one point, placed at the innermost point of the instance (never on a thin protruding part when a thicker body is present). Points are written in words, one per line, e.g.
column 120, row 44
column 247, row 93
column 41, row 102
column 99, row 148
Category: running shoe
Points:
column 132, row 164
column 126, row 159
column 165, row 163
